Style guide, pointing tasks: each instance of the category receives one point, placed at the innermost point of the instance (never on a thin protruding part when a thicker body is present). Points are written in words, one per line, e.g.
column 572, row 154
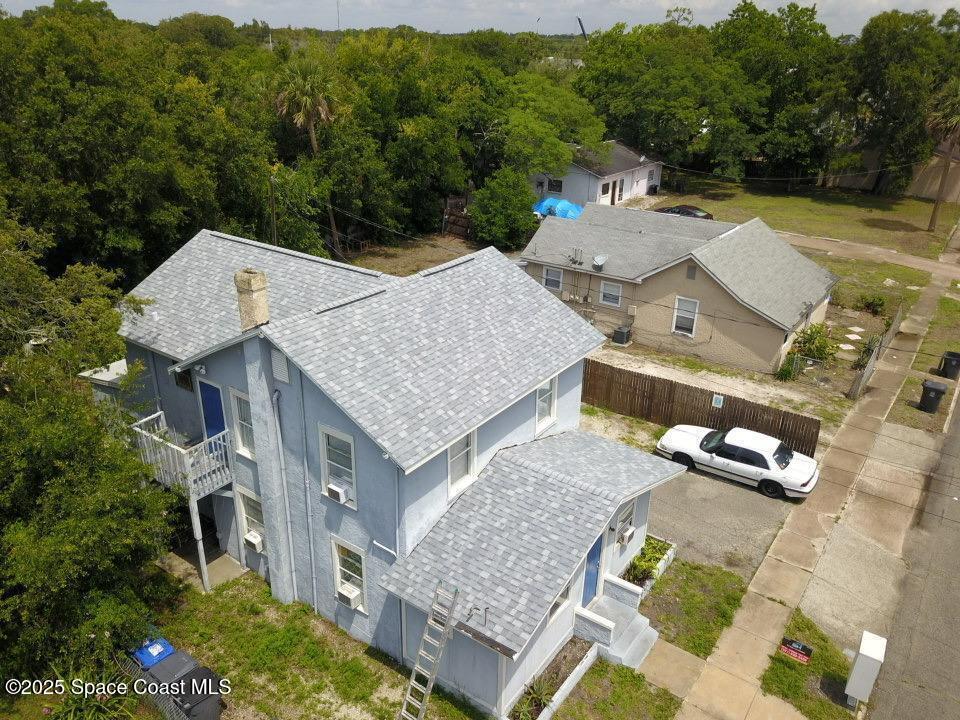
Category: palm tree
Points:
column 305, row 96
column 943, row 120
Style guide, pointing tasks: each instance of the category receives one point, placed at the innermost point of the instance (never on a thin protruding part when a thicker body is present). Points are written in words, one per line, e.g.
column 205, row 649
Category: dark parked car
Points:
column 687, row 211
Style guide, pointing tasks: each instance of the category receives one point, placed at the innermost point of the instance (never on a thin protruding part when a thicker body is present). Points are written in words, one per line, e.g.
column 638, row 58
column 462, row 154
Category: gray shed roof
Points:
column 513, row 540
column 195, row 301
column 620, row 160
column 639, row 243
column 424, row 359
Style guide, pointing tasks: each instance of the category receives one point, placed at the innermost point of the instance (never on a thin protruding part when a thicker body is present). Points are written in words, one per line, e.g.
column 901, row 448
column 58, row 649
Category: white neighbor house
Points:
column 623, row 175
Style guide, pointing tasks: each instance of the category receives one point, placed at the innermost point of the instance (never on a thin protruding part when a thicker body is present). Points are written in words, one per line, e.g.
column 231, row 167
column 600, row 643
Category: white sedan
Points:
column 743, row 455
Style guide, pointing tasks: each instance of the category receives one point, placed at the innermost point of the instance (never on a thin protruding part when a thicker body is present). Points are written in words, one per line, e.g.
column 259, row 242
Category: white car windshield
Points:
column 783, row 455
column 712, row 440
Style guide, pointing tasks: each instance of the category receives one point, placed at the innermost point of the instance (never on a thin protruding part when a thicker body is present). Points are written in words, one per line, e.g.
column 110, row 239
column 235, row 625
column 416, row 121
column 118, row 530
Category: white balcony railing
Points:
column 200, row 469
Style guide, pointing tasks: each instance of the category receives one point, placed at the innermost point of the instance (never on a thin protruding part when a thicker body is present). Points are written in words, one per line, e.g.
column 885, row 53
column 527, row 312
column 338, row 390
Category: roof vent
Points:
column 599, row 261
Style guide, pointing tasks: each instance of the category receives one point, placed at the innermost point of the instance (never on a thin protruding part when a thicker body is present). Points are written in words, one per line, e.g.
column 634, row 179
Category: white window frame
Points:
column 563, row 599
column 337, row 583
column 546, row 271
column 238, row 444
column 455, row 487
column 626, row 518
column 244, row 495
column 552, row 417
column 696, row 313
column 618, row 286
column 324, row 472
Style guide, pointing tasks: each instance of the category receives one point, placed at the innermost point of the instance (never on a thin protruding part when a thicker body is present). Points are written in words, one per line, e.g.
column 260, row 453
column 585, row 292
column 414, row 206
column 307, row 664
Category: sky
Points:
column 555, row 16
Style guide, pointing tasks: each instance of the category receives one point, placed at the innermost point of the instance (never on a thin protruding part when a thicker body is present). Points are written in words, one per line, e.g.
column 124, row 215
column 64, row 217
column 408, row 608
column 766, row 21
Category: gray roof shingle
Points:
column 638, row 243
column 422, row 360
column 513, row 540
column 620, row 159
column 195, row 301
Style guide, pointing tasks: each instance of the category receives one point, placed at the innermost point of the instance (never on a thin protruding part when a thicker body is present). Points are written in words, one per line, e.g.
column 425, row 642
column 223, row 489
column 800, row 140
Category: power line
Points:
column 793, row 179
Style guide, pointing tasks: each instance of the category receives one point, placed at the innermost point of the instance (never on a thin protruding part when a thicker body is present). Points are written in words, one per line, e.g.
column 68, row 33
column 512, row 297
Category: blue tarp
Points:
column 560, row 208
column 152, row 652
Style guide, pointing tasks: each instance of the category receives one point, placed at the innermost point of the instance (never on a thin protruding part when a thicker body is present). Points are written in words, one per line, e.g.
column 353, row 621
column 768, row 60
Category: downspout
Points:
column 283, row 489
column 306, row 492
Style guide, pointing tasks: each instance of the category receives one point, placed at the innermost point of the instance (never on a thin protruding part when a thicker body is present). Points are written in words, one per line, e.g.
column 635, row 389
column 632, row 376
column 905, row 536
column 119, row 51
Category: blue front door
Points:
column 212, row 403
column 592, row 574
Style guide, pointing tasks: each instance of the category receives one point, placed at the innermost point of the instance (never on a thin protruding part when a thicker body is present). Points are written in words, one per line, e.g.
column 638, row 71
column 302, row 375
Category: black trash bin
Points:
column 172, row 668
column 933, row 392
column 950, row 365
column 200, row 699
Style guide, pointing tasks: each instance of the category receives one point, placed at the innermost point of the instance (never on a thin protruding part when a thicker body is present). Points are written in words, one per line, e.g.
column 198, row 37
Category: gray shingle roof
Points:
column 620, row 159
column 513, row 540
column 195, row 301
column 638, row 243
column 429, row 357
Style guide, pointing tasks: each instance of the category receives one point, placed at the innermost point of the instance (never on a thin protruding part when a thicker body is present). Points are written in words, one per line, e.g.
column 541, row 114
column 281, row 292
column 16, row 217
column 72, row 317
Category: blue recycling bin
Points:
column 152, row 652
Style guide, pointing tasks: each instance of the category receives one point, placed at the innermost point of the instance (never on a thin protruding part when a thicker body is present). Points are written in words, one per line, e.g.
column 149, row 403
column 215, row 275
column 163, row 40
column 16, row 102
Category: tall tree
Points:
column 943, row 120
column 305, row 95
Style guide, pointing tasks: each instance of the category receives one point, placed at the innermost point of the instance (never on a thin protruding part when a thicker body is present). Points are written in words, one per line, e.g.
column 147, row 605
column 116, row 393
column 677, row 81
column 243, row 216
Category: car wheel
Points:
column 683, row 459
column 771, row 489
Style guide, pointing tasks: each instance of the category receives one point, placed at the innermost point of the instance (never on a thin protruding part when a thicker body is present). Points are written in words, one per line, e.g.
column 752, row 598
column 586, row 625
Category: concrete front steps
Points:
column 632, row 636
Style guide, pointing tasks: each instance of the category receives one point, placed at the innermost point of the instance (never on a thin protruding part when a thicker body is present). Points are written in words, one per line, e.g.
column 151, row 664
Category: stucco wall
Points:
column 467, row 667
column 735, row 336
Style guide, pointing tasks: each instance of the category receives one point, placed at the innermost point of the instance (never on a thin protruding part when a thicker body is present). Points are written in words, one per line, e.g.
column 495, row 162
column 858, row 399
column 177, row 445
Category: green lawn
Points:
column 31, row 707
column 895, row 223
column 816, row 689
column 866, row 277
column 284, row 661
column 615, row 692
column 943, row 334
column 691, row 604
column 904, row 410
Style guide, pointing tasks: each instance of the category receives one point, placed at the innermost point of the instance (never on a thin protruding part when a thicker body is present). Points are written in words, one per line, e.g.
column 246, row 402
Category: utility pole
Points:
column 338, row 15
column 273, row 211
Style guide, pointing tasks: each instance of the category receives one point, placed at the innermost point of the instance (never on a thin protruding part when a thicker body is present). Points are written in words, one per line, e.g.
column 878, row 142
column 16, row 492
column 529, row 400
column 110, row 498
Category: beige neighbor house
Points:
column 624, row 174
column 726, row 293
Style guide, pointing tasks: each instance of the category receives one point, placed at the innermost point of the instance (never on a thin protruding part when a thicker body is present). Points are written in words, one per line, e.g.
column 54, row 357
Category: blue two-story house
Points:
column 357, row 438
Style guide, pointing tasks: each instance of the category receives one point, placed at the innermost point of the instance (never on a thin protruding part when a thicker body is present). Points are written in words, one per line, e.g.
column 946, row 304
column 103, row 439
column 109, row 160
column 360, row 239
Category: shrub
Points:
column 874, row 304
column 79, row 706
column 788, row 368
column 814, row 342
column 865, row 352
column 643, row 567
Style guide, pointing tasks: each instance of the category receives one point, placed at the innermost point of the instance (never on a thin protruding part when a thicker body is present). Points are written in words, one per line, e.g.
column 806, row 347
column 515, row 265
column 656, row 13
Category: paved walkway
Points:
column 824, row 566
column 859, row 251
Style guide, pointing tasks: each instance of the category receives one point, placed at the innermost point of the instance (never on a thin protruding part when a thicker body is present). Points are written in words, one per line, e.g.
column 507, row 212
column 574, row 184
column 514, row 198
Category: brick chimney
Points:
column 252, row 298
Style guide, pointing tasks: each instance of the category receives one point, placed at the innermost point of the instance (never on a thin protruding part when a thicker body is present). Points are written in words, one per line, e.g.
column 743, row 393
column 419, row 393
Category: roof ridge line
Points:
column 294, row 253
column 447, row 265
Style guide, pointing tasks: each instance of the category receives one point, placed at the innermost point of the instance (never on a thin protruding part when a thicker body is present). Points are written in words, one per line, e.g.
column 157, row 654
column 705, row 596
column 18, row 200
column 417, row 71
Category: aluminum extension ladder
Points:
column 427, row 665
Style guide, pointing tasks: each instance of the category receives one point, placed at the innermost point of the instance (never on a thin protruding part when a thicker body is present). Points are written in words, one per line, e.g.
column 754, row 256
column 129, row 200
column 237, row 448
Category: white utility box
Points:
column 866, row 667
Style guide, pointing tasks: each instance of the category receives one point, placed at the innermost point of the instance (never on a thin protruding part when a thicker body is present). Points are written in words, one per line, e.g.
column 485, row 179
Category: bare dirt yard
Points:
column 413, row 256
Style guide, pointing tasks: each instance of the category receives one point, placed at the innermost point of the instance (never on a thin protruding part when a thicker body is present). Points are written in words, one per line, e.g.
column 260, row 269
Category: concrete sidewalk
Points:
column 835, row 556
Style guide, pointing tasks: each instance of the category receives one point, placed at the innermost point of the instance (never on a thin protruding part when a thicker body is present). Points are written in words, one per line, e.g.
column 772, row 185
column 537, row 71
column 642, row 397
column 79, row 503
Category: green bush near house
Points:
column 816, row 689
column 873, row 303
column 814, row 342
column 691, row 604
column 643, row 566
column 615, row 692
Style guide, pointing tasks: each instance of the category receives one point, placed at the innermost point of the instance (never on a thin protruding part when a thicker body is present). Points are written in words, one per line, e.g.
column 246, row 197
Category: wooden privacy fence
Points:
column 667, row 402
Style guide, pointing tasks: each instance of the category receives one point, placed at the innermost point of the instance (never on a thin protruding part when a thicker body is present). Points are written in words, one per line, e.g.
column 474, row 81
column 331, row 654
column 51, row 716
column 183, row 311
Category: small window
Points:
column 349, row 570
column 552, row 278
column 620, row 191
column 461, row 459
column 559, row 603
column 278, row 361
column 546, row 404
column 610, row 293
column 337, row 455
column 554, row 186
column 691, row 271
column 605, row 189
column 685, row 316
column 243, row 422
column 251, row 510
column 184, row 380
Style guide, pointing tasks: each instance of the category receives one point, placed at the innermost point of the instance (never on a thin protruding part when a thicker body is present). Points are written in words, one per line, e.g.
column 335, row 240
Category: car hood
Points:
column 684, row 437
column 800, row 469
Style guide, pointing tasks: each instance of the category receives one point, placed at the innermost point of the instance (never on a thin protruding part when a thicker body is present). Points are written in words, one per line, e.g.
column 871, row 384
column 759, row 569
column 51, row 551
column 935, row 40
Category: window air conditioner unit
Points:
column 565, row 296
column 349, row 596
column 627, row 535
column 338, row 493
column 254, row 541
